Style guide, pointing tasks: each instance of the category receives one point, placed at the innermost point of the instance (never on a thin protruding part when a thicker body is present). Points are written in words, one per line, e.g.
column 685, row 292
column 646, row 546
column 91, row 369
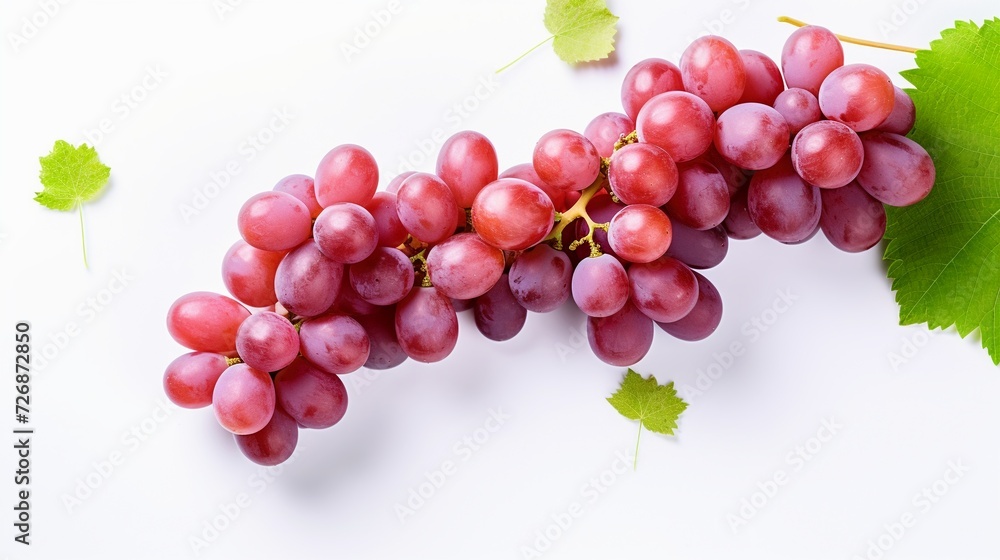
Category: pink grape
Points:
column 385, row 351
column 467, row 162
column 600, row 286
column 751, row 135
column 382, row 207
column 498, row 315
column 206, row 322
column 314, row 398
column 349, row 302
column 426, row 207
column 703, row 319
column 267, row 341
column 274, row 443
column 858, row 95
column 664, row 290
column 735, row 176
column 816, row 229
column 274, row 221
column 426, row 325
column 698, row 248
column 334, row 343
column 345, row 233
column 526, row 172
column 464, row 266
column 643, row 174
column 764, row 81
column 738, row 223
column 384, row 278
column 540, row 278
column 713, row 69
column 248, row 274
column 302, row 188
column 640, row 233
column 566, row 160
column 904, row 114
column 809, row 55
column 621, row 339
column 679, row 122
column 852, row 220
column 702, row 197
column 896, row 170
column 512, row 214
column 647, row 79
column 782, row 205
column 307, row 283
column 605, row 131
column 397, row 181
column 827, row 154
column 347, row 173
column 799, row 107
column 190, row 379
column 243, row 399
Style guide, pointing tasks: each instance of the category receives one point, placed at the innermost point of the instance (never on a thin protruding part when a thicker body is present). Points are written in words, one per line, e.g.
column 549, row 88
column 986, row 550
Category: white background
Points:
column 830, row 355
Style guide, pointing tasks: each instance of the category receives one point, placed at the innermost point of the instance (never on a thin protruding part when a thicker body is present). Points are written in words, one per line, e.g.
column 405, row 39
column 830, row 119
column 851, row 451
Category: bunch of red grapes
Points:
column 617, row 218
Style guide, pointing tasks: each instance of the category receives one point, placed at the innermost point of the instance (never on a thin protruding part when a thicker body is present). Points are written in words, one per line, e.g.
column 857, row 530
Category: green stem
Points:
column 526, row 53
column 635, row 458
column 83, row 237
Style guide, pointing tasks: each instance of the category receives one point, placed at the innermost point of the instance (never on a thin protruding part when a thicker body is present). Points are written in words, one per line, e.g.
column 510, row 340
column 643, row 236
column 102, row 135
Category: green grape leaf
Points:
column 70, row 176
column 582, row 30
column 944, row 252
column 656, row 407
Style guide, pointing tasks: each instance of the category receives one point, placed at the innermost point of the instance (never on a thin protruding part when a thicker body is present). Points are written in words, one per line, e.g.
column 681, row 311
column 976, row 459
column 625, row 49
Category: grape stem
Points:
column 425, row 282
column 525, row 53
column 233, row 361
column 853, row 40
column 83, row 237
column 579, row 210
column 635, row 458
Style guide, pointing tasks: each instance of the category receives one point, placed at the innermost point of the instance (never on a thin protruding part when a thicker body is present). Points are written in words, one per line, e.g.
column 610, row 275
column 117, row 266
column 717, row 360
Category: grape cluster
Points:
column 618, row 218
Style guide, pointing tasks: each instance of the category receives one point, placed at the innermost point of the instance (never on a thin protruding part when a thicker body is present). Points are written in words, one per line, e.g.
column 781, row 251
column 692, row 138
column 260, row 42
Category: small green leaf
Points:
column 71, row 176
column 582, row 30
column 943, row 252
column 656, row 407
